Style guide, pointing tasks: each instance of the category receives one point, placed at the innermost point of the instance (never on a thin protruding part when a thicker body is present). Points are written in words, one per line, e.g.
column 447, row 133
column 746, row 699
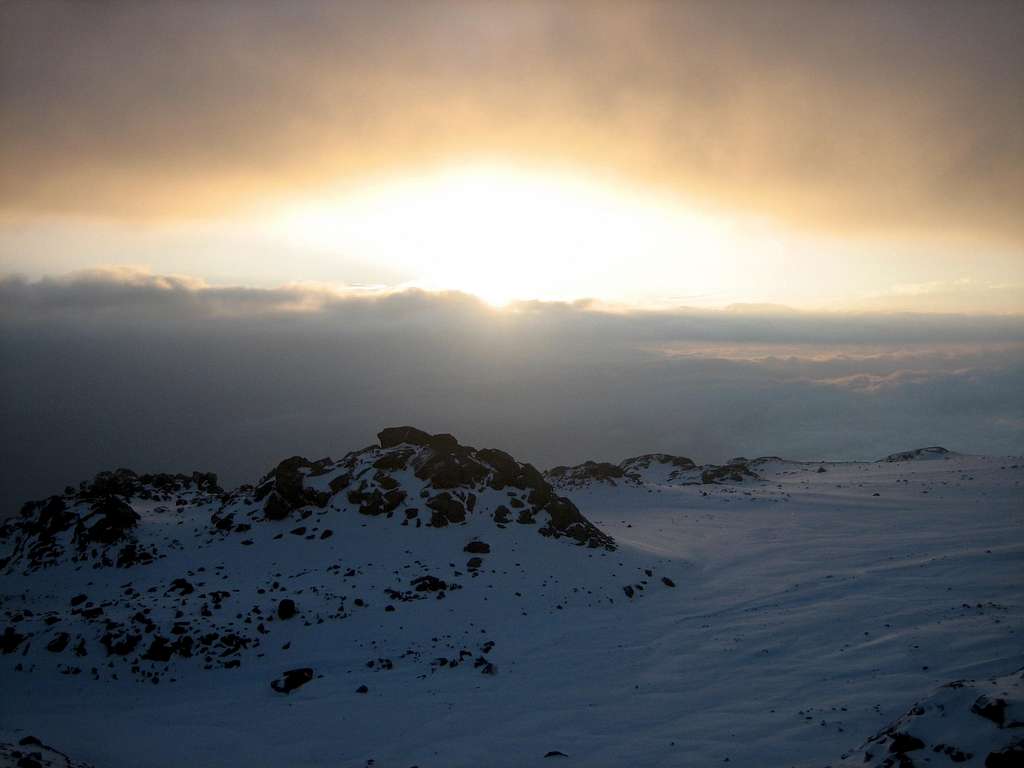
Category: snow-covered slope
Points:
column 425, row 603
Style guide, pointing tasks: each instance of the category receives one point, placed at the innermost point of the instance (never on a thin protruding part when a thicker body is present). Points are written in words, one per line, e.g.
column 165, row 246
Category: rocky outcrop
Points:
column 31, row 752
column 638, row 464
column 588, row 471
column 97, row 521
column 733, row 472
column 921, row 454
column 650, row 468
column 973, row 722
column 420, row 479
column 634, row 471
column 283, row 489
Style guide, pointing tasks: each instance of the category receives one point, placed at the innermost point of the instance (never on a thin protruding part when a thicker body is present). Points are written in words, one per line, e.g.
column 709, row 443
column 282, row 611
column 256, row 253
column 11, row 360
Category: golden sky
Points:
column 881, row 144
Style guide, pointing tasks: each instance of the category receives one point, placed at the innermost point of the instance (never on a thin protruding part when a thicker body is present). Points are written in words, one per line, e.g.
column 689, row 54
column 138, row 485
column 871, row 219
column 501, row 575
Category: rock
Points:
column 292, row 679
column 667, row 581
column 589, row 471
column 1008, row 757
column 904, row 742
column 390, row 437
column 394, row 461
column 555, row 753
column 450, row 465
column 159, row 650
column 990, row 709
column 110, row 520
column 474, row 562
column 429, row 584
column 286, row 608
column 275, row 507
column 10, row 640
column 183, row 586
column 59, row 643
column 283, row 490
column 446, row 509
column 477, row 548
column 919, row 454
column 725, row 473
column 362, row 689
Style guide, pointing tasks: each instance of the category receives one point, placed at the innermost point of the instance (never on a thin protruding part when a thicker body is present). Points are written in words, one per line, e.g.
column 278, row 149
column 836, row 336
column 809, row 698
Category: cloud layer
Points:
column 118, row 368
column 865, row 116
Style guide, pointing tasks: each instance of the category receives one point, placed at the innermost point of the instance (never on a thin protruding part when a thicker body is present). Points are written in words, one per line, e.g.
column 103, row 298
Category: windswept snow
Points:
column 765, row 613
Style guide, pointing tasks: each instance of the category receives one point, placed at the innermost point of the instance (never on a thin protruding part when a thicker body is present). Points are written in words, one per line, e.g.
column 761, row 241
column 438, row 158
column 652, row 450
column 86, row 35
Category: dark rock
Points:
column 286, row 608
column 932, row 452
column 10, row 640
column 477, row 548
column 275, row 507
column 159, row 650
column 1008, row 757
column 390, row 437
column 429, row 584
column 393, row 461
column 339, row 483
column 362, row 689
column 450, row 467
column 990, row 709
column 292, row 679
column 182, row 586
column 596, row 471
column 901, row 743
column 284, row 488
column 59, row 643
column 109, row 521
column 446, row 509
column 120, row 646
column 667, row 581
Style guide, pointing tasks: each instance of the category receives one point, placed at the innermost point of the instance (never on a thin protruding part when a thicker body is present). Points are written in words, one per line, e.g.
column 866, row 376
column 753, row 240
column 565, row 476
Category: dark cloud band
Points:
column 110, row 369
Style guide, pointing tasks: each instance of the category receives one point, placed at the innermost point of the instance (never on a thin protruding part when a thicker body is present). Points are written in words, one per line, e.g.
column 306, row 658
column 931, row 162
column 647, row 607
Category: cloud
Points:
column 859, row 116
column 114, row 368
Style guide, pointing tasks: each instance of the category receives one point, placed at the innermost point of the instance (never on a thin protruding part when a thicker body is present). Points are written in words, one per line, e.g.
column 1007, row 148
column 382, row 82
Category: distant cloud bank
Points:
column 123, row 368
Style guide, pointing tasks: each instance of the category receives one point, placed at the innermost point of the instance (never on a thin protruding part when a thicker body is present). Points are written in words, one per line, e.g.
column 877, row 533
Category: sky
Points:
column 565, row 228
column 817, row 155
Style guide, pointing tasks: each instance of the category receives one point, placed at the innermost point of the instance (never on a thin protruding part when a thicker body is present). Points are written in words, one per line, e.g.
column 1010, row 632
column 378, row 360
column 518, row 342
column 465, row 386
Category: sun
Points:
column 501, row 233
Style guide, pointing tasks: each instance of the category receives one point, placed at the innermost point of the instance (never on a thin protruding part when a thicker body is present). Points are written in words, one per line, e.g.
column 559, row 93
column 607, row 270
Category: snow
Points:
column 810, row 610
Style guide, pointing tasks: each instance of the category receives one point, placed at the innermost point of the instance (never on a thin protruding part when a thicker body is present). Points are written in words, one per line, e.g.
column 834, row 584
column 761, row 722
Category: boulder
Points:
column 286, row 609
column 292, row 679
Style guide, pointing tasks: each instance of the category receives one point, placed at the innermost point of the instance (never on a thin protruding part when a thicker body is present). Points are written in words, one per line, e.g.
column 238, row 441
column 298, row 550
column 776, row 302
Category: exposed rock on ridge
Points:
column 434, row 479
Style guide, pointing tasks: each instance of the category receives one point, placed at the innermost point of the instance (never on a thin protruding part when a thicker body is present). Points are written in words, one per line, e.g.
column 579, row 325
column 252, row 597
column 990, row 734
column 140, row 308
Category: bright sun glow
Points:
column 504, row 234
